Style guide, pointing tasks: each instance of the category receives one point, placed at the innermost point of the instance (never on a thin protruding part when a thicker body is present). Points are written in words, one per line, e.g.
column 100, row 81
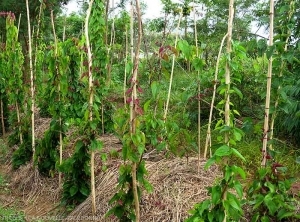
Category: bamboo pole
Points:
column 112, row 40
column 268, row 93
column 37, row 34
column 227, row 83
column 17, row 104
column 59, row 100
column 125, row 73
column 131, row 31
column 2, row 118
column 91, row 98
column 133, row 108
column 199, row 89
column 172, row 71
column 32, row 87
column 208, row 134
column 227, row 68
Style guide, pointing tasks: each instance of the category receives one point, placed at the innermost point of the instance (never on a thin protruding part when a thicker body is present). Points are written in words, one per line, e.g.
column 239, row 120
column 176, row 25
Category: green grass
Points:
column 11, row 215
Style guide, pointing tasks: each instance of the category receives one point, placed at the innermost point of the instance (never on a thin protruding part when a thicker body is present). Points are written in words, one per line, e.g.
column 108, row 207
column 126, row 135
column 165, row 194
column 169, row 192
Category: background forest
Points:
column 200, row 86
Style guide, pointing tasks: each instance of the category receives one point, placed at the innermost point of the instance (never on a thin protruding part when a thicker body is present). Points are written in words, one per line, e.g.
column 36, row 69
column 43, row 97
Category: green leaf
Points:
column 240, row 171
column 268, row 200
column 265, row 219
column 216, row 194
column 198, row 63
column 154, row 89
column 146, row 105
column 84, row 190
column 237, row 135
column 237, row 154
column 73, row 190
column 258, row 201
column 96, row 145
column 270, row 186
column 270, row 51
column 239, row 189
column 283, row 214
column 224, row 150
column 141, row 149
column 148, row 186
column 233, row 201
column 209, row 162
column 238, row 92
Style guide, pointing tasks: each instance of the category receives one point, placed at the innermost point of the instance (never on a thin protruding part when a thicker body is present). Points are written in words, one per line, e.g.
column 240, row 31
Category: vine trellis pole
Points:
column 199, row 88
column 268, row 92
column 208, row 133
column 133, row 105
column 59, row 99
column 32, row 87
column 17, row 104
column 172, row 70
column 91, row 98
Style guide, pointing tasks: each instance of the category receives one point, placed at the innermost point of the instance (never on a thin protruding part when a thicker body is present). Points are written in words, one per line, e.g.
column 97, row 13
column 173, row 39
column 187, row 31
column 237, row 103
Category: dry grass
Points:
column 177, row 187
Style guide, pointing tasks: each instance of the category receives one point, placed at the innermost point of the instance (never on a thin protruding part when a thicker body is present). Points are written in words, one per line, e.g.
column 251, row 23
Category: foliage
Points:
column 268, row 194
column 19, row 8
column 123, row 199
column 71, row 24
column 46, row 150
column 224, row 204
column 24, row 152
column 76, row 171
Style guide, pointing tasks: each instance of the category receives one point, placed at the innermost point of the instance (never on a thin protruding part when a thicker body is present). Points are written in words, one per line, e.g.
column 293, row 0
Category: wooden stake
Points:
column 59, row 99
column 199, row 90
column 17, row 105
column 172, row 71
column 32, row 87
column 91, row 98
column 133, row 106
column 2, row 119
column 125, row 73
column 268, row 93
column 208, row 134
column 227, row 69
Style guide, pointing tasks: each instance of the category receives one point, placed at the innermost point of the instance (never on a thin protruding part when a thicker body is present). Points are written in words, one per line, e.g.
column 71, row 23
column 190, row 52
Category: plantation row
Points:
column 89, row 86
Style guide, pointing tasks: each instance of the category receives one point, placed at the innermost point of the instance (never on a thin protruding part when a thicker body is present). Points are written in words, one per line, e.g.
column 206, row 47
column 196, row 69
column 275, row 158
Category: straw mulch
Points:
column 37, row 194
column 177, row 187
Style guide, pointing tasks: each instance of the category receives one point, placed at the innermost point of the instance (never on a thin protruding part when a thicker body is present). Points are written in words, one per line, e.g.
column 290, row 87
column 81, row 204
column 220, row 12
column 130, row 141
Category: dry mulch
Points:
column 177, row 187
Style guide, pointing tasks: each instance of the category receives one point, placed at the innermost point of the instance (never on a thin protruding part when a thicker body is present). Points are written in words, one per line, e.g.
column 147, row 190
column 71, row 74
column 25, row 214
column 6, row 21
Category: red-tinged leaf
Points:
column 276, row 165
column 128, row 100
column 140, row 90
column 128, row 91
column 139, row 110
column 137, row 102
column 161, row 49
